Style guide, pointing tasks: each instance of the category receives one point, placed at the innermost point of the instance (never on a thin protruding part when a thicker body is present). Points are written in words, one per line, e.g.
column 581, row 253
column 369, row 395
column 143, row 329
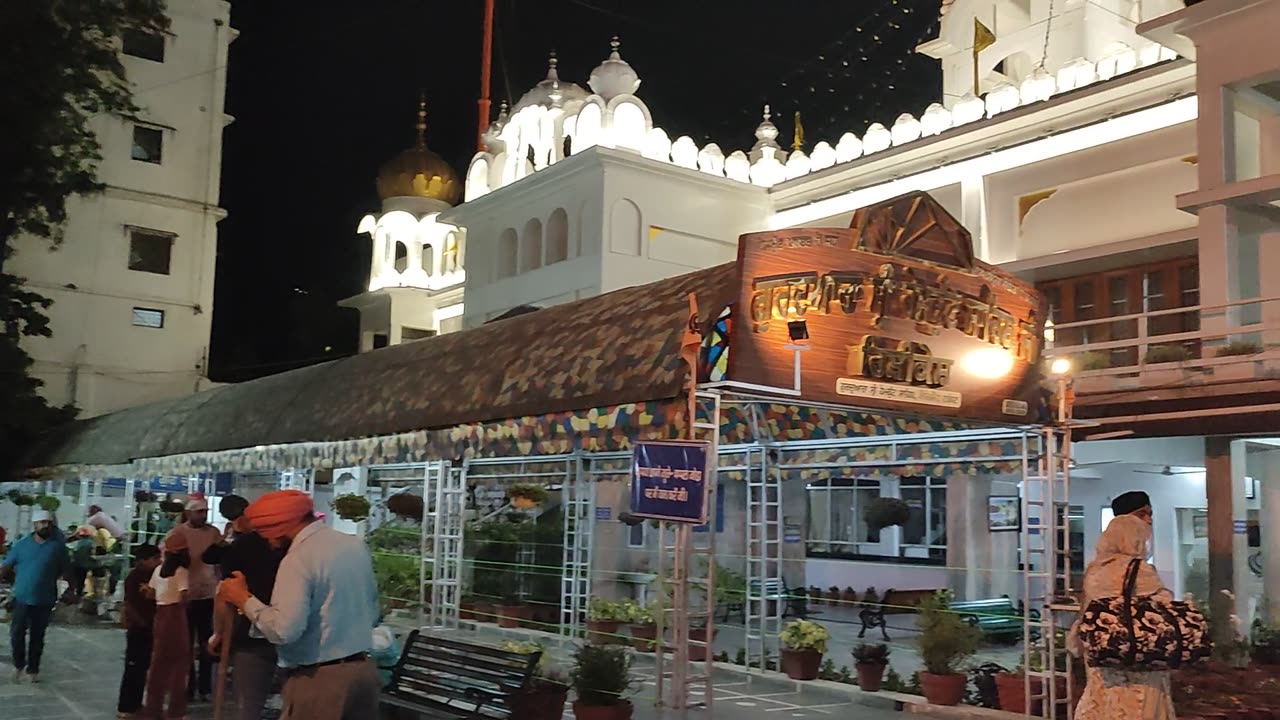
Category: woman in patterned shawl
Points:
column 1114, row 694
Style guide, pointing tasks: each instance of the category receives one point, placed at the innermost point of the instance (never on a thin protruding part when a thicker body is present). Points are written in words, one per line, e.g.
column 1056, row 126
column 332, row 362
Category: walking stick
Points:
column 224, row 619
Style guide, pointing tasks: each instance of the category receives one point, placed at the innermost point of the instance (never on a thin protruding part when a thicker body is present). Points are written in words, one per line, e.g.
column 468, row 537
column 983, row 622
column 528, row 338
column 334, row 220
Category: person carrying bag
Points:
column 1131, row 631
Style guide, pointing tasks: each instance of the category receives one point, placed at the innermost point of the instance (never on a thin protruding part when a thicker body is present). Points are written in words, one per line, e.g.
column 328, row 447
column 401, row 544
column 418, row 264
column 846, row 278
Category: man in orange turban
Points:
column 321, row 612
column 278, row 516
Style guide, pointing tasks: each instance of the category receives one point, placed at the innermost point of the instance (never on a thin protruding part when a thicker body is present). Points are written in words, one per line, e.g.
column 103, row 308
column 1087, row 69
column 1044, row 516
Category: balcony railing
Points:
column 1195, row 345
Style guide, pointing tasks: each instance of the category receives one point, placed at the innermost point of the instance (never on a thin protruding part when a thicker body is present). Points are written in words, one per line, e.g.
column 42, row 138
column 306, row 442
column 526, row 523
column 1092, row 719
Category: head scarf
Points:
column 276, row 514
column 1130, row 502
column 40, row 516
column 1124, row 541
column 94, row 510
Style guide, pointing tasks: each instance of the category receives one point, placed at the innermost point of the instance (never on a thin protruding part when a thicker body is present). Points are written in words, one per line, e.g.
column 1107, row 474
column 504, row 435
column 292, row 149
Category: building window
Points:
column 148, row 317
column 145, row 45
column 148, row 144
column 401, row 257
column 557, row 236
column 150, row 251
column 836, row 525
column 508, row 254
column 635, row 535
column 428, row 259
column 925, row 534
column 409, row 334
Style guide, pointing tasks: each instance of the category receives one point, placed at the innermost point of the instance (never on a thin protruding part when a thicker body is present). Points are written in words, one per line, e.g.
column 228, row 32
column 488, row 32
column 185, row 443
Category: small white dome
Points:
column 766, row 137
column 551, row 92
column 492, row 140
column 614, row 76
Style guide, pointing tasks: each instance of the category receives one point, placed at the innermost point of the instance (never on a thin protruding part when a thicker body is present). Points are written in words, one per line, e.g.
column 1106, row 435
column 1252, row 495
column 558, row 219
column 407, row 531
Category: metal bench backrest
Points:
column 774, row 589
column 993, row 606
column 439, row 670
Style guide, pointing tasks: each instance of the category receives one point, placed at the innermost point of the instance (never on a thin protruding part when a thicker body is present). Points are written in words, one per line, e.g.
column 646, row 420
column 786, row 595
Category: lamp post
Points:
column 798, row 332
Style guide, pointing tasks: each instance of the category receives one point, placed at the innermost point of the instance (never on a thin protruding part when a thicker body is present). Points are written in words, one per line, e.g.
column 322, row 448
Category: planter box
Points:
column 1164, row 376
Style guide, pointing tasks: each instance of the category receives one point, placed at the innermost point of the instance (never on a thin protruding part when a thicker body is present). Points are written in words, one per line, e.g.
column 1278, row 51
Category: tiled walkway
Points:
column 82, row 666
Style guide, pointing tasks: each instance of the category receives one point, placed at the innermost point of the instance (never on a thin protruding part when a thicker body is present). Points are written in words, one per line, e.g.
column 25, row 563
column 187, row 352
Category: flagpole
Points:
column 486, row 60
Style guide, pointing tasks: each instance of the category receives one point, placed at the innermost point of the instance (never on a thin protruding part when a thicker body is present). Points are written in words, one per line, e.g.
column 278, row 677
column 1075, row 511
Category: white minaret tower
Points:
column 416, row 273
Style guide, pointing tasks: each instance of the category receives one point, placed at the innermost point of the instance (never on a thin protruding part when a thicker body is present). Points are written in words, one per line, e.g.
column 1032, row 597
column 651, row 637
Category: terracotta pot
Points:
column 833, row 598
column 815, row 596
column 870, row 675
column 698, row 653
column 848, row 597
column 603, row 632
column 486, row 612
column 619, row 711
column 467, row 611
column 946, row 689
column 509, row 616
column 540, row 701
column 643, row 637
column 1012, row 690
column 801, row 664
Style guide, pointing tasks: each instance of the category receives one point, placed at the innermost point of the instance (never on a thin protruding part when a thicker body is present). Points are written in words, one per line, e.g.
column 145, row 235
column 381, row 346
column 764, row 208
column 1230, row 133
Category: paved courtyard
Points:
column 82, row 667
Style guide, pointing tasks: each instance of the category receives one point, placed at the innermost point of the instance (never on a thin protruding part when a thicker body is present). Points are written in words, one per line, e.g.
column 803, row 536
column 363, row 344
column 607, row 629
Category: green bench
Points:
column 995, row 617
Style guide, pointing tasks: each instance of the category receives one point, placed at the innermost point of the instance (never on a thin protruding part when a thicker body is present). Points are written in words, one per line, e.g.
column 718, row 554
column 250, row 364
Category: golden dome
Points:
column 418, row 172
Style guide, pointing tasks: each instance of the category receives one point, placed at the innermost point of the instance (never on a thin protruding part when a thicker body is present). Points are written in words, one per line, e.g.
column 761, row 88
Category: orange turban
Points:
column 275, row 514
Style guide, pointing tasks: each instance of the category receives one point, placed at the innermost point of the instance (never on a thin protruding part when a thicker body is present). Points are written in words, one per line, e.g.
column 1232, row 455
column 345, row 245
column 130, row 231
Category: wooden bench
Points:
column 441, row 678
column 893, row 602
column 995, row 617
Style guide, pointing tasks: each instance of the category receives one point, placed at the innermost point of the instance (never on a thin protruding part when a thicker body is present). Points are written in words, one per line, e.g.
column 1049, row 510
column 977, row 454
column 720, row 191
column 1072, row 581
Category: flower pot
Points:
column 870, row 675
column 540, row 701
column 1012, row 690
column 618, row 711
column 801, row 664
column 698, row 653
column 848, row 598
column 815, row 596
column 467, row 611
column 833, row 598
column 603, row 632
column 943, row 689
column 510, row 616
column 643, row 637
column 486, row 612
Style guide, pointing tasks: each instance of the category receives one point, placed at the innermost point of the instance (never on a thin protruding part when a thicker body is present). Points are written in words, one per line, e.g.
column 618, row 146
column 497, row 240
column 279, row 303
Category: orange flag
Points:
column 690, row 350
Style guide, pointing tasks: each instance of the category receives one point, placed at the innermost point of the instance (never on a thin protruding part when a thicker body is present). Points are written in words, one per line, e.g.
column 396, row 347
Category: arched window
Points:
column 428, row 259
column 508, row 253
column 531, row 246
column 449, row 258
column 557, row 236
column 402, row 257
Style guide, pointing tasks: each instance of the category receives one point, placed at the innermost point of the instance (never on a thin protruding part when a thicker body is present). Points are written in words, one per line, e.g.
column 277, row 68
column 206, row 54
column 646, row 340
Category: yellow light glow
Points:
column 1060, row 366
column 988, row 363
column 1049, row 334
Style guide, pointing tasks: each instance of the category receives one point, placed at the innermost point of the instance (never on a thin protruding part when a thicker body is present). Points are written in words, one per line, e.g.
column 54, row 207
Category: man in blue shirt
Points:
column 38, row 560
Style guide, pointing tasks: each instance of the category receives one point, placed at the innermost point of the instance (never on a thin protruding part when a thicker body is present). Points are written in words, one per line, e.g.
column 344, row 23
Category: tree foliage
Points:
column 60, row 71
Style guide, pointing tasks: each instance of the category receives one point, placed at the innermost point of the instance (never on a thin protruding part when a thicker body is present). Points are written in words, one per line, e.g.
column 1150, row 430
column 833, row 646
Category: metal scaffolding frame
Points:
column 444, row 500
column 762, row 616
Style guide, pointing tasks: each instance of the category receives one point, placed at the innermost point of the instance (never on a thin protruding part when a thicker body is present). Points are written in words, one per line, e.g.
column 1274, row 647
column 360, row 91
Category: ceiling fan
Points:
column 1168, row 471
column 1081, row 466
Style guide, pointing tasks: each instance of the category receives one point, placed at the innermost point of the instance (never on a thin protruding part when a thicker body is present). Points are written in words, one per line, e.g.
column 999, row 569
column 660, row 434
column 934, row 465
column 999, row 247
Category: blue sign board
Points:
column 669, row 481
column 604, row 513
column 222, row 483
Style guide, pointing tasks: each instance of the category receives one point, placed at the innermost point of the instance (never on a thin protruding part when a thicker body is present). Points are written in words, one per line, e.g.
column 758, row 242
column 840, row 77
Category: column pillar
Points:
column 1269, row 522
column 1239, row 539
column 973, row 215
column 1218, row 495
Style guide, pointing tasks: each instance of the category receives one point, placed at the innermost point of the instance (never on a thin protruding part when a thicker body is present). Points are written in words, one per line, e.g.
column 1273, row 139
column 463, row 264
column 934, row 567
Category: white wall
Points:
column 96, row 357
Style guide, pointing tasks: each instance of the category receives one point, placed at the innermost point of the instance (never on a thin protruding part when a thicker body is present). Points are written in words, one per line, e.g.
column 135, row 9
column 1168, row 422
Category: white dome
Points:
column 492, row 140
column 614, row 76
column 766, row 137
column 551, row 92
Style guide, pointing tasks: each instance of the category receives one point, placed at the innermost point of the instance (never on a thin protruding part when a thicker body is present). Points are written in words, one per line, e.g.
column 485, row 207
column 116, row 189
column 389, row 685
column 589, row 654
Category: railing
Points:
column 1199, row 344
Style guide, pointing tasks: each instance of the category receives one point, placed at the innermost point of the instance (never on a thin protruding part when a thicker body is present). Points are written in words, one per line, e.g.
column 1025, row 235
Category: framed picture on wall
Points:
column 1004, row 513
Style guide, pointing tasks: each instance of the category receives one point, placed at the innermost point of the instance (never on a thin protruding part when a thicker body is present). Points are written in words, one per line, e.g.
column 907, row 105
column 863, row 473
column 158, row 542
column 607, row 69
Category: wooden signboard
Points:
column 899, row 316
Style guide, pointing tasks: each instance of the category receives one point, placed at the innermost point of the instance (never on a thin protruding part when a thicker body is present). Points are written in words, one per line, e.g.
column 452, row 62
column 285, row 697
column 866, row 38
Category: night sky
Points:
column 324, row 93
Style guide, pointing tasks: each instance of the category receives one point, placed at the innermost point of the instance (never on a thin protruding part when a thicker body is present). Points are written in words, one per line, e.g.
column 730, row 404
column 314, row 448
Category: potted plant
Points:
column 1169, row 356
column 1265, row 645
column 870, row 660
column 467, row 607
column 848, row 596
column 815, row 595
column 405, row 505
column 883, row 512
column 601, row 677
column 512, row 611
column 604, row 618
column 944, row 641
column 351, row 507
column 833, row 595
column 545, row 695
column 526, row 496
column 803, row 644
column 48, row 503
column 1011, row 688
column 644, row 625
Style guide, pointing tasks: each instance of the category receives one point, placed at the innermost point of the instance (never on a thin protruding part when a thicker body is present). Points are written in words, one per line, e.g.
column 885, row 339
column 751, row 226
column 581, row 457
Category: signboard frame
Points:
column 640, row 480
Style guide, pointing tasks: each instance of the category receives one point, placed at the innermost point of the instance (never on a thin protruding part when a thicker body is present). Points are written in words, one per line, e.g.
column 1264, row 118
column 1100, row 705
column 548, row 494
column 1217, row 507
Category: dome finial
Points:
column 614, row 44
column 422, row 119
column 552, row 73
column 767, row 115
column 797, row 138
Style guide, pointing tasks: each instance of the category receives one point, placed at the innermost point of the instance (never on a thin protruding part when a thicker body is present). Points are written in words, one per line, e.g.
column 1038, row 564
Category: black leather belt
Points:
column 358, row 657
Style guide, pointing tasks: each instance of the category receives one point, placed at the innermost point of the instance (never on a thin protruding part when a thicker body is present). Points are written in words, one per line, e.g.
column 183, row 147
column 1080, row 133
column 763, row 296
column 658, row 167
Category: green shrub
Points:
column 804, row 635
column 1236, row 348
column 1093, row 361
column 1165, row 354
column 601, row 674
column 945, row 639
